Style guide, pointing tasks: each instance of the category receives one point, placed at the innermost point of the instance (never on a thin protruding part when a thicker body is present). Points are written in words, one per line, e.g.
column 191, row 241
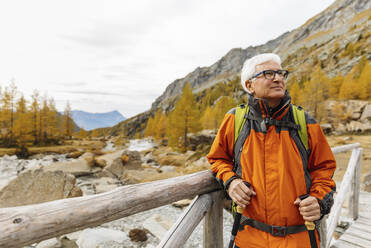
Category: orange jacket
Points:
column 273, row 164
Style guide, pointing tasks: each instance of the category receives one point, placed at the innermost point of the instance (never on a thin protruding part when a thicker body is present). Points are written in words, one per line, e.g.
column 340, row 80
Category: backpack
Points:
column 299, row 116
column 241, row 115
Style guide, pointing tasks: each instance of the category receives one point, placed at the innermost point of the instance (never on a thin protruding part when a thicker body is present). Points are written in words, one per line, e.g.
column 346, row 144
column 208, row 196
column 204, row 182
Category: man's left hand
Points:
column 309, row 208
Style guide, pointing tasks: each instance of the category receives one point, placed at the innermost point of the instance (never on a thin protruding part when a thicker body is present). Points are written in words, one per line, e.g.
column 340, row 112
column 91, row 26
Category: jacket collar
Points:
column 261, row 108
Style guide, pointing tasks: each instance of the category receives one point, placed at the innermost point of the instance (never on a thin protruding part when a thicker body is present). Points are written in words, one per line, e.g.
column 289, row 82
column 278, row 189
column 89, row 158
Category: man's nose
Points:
column 277, row 77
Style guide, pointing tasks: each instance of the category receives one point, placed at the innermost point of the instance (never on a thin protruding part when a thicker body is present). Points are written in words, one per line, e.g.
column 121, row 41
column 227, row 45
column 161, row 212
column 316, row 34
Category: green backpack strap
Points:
column 239, row 119
column 299, row 116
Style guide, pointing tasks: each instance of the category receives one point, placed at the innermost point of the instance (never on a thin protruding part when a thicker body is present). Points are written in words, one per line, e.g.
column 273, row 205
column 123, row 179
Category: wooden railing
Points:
column 350, row 185
column 24, row 225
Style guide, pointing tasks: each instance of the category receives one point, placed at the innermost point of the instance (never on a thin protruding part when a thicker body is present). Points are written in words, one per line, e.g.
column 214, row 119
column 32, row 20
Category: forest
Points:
column 33, row 122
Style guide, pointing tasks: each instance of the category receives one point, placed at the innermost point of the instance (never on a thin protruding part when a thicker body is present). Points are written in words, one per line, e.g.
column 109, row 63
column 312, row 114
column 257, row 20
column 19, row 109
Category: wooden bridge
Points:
column 25, row 225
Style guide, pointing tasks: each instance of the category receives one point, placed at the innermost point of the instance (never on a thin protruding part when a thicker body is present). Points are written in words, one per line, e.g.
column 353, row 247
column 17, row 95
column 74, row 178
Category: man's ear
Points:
column 248, row 85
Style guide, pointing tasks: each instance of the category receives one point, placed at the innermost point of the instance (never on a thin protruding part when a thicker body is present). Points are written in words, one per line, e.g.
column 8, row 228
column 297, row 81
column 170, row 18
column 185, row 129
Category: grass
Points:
column 69, row 146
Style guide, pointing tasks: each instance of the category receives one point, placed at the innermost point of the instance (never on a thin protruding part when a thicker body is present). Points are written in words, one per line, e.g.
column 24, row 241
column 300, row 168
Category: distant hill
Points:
column 90, row 121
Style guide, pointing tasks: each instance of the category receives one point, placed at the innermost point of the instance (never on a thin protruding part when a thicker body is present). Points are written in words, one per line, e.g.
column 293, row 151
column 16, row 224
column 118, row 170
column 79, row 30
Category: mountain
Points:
column 90, row 121
column 341, row 22
column 335, row 39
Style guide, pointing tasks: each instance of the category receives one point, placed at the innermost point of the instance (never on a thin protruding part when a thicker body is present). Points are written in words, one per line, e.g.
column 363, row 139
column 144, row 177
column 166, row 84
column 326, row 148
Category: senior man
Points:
column 273, row 170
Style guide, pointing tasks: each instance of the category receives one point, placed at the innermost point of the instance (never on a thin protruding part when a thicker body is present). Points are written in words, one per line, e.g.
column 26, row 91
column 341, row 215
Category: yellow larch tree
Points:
column 335, row 85
column 67, row 126
column 53, row 121
column 364, row 82
column 34, row 109
column 150, row 127
column 316, row 91
column 221, row 107
column 184, row 119
column 22, row 123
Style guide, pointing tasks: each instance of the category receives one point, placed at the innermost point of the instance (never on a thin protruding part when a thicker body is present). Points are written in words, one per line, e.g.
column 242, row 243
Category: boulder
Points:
column 78, row 167
column 133, row 177
column 36, row 186
column 158, row 225
column 130, row 159
column 50, row 243
column 354, row 106
column 174, row 159
column 366, row 114
column 138, row 235
column 90, row 237
column 67, row 243
column 340, row 129
column 114, row 169
column 105, row 184
column 326, row 128
column 167, row 168
column 197, row 140
column 75, row 154
column 356, row 126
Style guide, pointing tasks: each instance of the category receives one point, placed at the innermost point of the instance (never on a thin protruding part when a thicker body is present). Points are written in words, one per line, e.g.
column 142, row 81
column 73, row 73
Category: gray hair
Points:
column 248, row 69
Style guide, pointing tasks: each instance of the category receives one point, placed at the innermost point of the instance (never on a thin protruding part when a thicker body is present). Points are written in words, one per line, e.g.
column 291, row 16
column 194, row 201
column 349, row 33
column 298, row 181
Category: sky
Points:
column 121, row 55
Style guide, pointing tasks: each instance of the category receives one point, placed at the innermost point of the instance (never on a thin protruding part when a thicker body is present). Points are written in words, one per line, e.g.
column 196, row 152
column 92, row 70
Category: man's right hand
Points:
column 240, row 193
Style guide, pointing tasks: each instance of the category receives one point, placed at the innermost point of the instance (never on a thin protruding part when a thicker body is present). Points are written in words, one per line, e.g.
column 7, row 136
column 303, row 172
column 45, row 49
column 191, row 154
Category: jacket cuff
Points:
column 228, row 182
column 326, row 203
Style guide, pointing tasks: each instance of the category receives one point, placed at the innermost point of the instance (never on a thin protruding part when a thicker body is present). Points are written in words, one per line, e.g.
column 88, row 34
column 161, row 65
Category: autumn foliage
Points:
column 31, row 122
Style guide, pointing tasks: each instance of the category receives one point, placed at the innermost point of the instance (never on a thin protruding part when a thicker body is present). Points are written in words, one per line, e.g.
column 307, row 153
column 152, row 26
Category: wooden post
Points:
column 24, row 225
column 355, row 189
column 344, row 148
column 183, row 228
column 323, row 231
column 340, row 196
column 213, row 224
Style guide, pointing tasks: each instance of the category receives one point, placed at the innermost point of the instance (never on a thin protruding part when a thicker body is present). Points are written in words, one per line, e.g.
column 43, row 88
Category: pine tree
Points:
column 206, row 119
column 222, row 105
column 335, row 85
column 150, row 128
column 67, row 122
column 22, row 122
column 365, row 82
column 44, row 114
column 8, row 101
column 34, row 109
column 53, row 119
column 316, row 91
column 184, row 119
column 160, row 125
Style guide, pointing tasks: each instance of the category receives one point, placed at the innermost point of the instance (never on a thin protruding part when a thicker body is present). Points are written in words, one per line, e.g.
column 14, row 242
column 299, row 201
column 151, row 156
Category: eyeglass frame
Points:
column 275, row 72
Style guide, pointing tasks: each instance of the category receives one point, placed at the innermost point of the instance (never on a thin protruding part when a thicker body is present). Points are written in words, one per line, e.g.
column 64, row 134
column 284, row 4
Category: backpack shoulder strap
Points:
column 299, row 116
column 239, row 119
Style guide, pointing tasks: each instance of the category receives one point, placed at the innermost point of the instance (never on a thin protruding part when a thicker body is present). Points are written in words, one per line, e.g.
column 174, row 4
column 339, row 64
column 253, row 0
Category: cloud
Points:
column 85, row 92
column 75, row 84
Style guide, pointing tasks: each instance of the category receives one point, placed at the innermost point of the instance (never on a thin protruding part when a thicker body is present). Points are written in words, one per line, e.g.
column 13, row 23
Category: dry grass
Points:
column 68, row 147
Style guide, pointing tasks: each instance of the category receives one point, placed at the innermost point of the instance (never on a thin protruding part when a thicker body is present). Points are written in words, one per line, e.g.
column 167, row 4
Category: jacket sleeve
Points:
column 321, row 167
column 221, row 152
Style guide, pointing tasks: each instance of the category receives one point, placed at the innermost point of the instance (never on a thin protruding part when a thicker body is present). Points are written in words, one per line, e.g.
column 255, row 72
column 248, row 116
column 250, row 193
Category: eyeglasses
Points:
column 270, row 74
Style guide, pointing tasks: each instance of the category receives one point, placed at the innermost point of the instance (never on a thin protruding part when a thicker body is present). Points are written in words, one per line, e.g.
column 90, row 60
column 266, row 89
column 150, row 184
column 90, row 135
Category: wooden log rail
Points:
column 25, row 225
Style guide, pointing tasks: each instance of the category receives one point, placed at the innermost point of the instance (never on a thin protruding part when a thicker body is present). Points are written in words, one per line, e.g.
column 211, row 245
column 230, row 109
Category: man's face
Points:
column 272, row 90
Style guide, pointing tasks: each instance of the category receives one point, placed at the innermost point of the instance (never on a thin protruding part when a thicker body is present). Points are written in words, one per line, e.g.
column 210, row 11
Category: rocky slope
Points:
column 322, row 39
